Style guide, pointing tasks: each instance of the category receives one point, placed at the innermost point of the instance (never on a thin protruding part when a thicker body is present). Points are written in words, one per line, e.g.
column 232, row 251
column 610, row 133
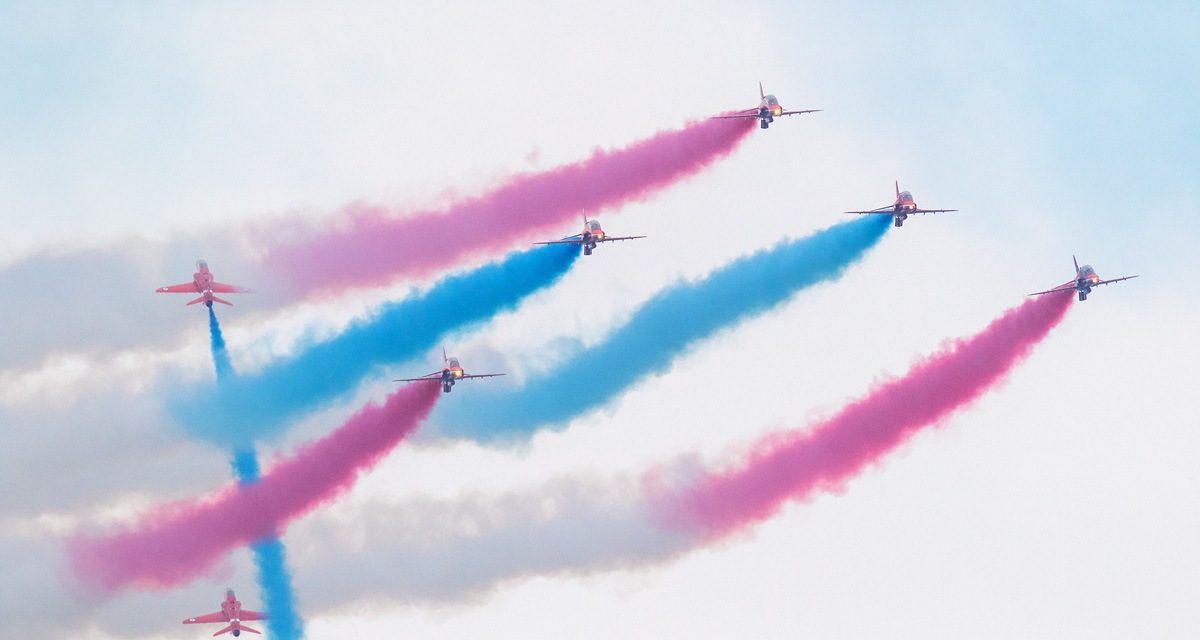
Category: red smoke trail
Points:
column 176, row 543
column 374, row 247
column 794, row 464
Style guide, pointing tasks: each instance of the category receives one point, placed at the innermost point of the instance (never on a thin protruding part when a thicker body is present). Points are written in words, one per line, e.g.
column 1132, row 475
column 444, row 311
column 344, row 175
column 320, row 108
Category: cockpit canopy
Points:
column 201, row 265
column 904, row 195
column 770, row 100
column 593, row 225
column 453, row 363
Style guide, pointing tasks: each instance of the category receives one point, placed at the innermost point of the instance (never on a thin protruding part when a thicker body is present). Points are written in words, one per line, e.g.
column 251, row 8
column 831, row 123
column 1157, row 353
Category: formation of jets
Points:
column 233, row 615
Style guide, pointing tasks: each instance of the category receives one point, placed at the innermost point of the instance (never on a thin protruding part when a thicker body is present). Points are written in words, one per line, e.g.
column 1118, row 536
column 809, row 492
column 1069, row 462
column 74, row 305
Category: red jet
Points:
column 591, row 235
column 1085, row 279
column 901, row 208
column 233, row 613
column 203, row 283
column 451, row 372
column 767, row 110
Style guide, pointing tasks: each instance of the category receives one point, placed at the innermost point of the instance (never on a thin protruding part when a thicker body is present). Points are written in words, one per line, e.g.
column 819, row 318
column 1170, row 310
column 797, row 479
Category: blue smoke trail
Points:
column 669, row 323
column 269, row 556
column 270, row 559
column 254, row 406
column 219, row 353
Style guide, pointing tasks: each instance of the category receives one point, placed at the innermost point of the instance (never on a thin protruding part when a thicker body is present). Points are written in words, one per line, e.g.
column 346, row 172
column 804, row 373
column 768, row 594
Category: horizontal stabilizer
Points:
column 240, row 627
column 196, row 301
column 216, row 299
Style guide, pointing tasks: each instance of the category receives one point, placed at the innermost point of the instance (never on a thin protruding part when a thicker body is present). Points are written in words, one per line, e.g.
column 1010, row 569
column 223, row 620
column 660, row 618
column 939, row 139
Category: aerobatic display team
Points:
column 383, row 408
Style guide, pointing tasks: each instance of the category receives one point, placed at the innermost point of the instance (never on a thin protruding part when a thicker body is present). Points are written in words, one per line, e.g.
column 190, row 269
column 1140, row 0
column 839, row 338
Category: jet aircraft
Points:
column 232, row 613
column 767, row 110
column 451, row 372
column 203, row 283
column 901, row 208
column 1085, row 279
column 591, row 235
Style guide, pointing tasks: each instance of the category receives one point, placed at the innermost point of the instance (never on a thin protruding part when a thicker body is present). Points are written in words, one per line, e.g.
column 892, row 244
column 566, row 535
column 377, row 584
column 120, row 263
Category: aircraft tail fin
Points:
column 761, row 94
column 216, row 299
column 897, row 189
column 1073, row 259
column 445, row 358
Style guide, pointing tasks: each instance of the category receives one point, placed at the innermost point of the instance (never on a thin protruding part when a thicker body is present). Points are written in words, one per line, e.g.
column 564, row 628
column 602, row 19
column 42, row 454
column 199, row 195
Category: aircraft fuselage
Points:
column 592, row 233
column 203, row 278
column 452, row 373
column 1084, row 281
column 904, row 205
column 767, row 110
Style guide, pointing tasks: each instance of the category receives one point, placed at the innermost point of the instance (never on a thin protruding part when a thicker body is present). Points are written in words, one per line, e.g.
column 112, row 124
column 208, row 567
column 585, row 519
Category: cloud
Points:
column 458, row 550
column 64, row 457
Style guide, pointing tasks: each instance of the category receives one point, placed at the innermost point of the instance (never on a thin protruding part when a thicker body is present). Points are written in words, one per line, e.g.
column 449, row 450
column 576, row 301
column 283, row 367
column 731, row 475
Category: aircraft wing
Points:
column 888, row 210
column 480, row 375
column 932, row 210
column 615, row 238
column 429, row 377
column 252, row 615
column 187, row 287
column 220, row 287
column 575, row 239
column 563, row 241
column 745, row 113
column 1116, row 280
column 212, row 617
column 753, row 113
column 1070, row 286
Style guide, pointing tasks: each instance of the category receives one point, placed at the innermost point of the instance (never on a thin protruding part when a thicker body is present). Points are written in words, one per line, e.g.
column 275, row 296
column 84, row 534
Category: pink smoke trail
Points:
column 176, row 543
column 794, row 464
column 373, row 246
